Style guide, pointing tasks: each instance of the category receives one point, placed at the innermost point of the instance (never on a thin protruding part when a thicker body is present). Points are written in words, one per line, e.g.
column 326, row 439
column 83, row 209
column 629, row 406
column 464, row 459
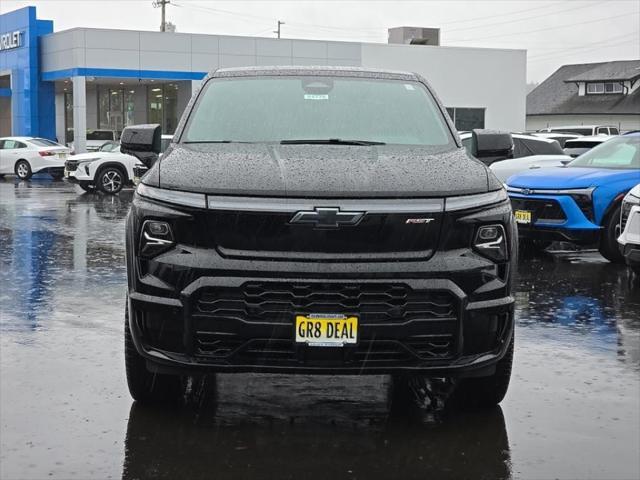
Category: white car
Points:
column 107, row 169
column 25, row 156
column 559, row 137
column 629, row 238
column 506, row 168
column 584, row 129
column 580, row 145
column 529, row 152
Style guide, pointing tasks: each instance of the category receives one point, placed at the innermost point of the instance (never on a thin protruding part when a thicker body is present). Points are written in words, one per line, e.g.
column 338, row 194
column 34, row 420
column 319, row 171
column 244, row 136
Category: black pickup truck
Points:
column 318, row 220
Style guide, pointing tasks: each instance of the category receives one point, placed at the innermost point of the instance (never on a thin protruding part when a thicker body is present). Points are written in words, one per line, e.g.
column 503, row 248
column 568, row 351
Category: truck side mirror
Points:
column 143, row 142
column 491, row 146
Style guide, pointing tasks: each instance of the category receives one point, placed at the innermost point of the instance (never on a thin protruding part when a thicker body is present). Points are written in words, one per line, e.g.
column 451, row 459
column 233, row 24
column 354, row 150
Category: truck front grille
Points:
column 424, row 324
column 71, row 165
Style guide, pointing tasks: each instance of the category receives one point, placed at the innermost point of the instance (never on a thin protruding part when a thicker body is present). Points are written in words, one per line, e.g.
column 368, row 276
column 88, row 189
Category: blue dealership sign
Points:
column 32, row 99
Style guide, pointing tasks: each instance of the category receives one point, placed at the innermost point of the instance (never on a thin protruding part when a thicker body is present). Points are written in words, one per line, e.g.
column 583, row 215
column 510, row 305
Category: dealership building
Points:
column 53, row 84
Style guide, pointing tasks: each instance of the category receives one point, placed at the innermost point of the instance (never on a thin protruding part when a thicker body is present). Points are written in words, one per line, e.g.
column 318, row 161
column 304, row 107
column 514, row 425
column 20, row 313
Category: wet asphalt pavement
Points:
column 572, row 411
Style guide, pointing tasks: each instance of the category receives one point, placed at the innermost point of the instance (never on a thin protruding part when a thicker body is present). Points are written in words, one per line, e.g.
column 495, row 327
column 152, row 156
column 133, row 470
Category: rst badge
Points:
column 418, row 221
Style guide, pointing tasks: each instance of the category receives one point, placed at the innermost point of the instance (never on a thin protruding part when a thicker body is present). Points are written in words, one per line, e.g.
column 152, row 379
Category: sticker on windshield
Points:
column 408, row 86
column 309, row 96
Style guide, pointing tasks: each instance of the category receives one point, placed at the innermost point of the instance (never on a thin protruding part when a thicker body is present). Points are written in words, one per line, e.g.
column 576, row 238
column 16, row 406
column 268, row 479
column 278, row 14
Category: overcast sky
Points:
column 553, row 32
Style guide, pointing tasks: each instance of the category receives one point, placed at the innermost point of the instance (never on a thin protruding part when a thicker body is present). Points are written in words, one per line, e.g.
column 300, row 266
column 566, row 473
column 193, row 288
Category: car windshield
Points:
column 110, row 147
column 298, row 108
column 100, row 135
column 43, row 142
column 620, row 152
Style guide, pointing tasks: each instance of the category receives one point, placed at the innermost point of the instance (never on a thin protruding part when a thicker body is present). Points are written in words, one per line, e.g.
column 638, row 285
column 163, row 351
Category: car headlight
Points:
column 156, row 237
column 491, row 242
column 85, row 164
column 631, row 198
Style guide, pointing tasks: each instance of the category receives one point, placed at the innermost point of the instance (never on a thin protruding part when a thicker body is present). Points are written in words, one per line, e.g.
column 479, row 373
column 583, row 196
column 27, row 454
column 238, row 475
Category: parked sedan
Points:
column 25, row 156
column 629, row 238
column 580, row 203
column 529, row 152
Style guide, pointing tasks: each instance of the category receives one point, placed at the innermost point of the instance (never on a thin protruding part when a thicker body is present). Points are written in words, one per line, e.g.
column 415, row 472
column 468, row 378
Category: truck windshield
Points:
column 337, row 110
column 619, row 152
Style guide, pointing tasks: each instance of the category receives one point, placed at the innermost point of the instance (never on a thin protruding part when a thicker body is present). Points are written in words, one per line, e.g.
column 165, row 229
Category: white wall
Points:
column 623, row 122
column 464, row 77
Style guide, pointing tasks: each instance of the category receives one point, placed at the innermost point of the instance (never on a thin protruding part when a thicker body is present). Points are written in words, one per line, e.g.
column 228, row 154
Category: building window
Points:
column 162, row 106
column 466, row 119
column 68, row 117
column 115, row 108
column 604, row 87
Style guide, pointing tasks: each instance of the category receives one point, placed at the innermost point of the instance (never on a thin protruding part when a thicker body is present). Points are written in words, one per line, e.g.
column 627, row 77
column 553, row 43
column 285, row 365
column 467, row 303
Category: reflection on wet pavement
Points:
column 573, row 409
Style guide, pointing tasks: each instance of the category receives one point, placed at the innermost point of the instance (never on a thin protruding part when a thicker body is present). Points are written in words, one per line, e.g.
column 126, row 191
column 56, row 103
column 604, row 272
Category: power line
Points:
column 570, row 25
column 586, row 50
column 572, row 9
column 586, row 45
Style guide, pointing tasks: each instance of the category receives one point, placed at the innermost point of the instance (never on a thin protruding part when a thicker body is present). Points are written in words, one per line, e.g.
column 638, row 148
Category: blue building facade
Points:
column 30, row 99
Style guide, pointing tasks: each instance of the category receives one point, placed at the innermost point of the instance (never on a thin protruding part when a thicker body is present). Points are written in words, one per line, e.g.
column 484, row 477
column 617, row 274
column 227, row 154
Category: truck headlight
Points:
column 491, row 242
column 156, row 237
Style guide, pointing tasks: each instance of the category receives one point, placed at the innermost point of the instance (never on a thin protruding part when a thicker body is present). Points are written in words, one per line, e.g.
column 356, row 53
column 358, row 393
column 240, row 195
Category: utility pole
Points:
column 162, row 4
column 278, row 31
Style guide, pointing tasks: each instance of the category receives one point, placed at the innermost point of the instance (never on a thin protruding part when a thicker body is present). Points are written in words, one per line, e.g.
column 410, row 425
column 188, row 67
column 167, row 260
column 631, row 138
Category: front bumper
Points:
column 55, row 171
column 177, row 336
column 195, row 309
column 629, row 239
column 565, row 221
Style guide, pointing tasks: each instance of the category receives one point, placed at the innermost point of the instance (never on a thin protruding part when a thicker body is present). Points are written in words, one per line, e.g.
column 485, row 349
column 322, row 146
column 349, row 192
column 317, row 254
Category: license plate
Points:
column 318, row 330
column 62, row 155
column 523, row 216
column 66, row 173
column 136, row 180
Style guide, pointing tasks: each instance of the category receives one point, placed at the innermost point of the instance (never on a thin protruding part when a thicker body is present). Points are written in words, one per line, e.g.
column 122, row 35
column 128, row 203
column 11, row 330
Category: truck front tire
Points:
column 485, row 392
column 145, row 386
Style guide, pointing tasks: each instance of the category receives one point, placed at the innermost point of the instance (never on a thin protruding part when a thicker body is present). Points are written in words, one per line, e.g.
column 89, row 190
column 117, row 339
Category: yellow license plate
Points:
column 523, row 216
column 318, row 330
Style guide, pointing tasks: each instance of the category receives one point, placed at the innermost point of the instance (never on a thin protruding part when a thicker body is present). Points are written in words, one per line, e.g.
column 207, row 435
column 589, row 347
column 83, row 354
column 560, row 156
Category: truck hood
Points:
column 569, row 177
column 321, row 171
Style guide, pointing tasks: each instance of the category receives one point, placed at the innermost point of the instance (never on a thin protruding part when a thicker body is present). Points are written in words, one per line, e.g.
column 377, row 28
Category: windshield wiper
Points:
column 330, row 141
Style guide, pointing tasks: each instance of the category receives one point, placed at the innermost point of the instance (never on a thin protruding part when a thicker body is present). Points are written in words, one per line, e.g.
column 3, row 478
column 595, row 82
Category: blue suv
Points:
column 578, row 203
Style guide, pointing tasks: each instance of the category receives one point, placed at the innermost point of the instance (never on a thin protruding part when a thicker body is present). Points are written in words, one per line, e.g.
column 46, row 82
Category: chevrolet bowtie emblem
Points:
column 326, row 217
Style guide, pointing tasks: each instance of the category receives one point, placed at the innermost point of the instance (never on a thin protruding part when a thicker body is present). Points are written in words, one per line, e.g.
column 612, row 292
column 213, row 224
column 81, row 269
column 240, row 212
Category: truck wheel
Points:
column 23, row 170
column 145, row 386
column 110, row 180
column 485, row 392
column 609, row 248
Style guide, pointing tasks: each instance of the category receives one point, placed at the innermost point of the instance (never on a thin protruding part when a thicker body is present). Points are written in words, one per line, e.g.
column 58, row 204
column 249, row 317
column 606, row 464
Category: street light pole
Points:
column 162, row 4
column 278, row 31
